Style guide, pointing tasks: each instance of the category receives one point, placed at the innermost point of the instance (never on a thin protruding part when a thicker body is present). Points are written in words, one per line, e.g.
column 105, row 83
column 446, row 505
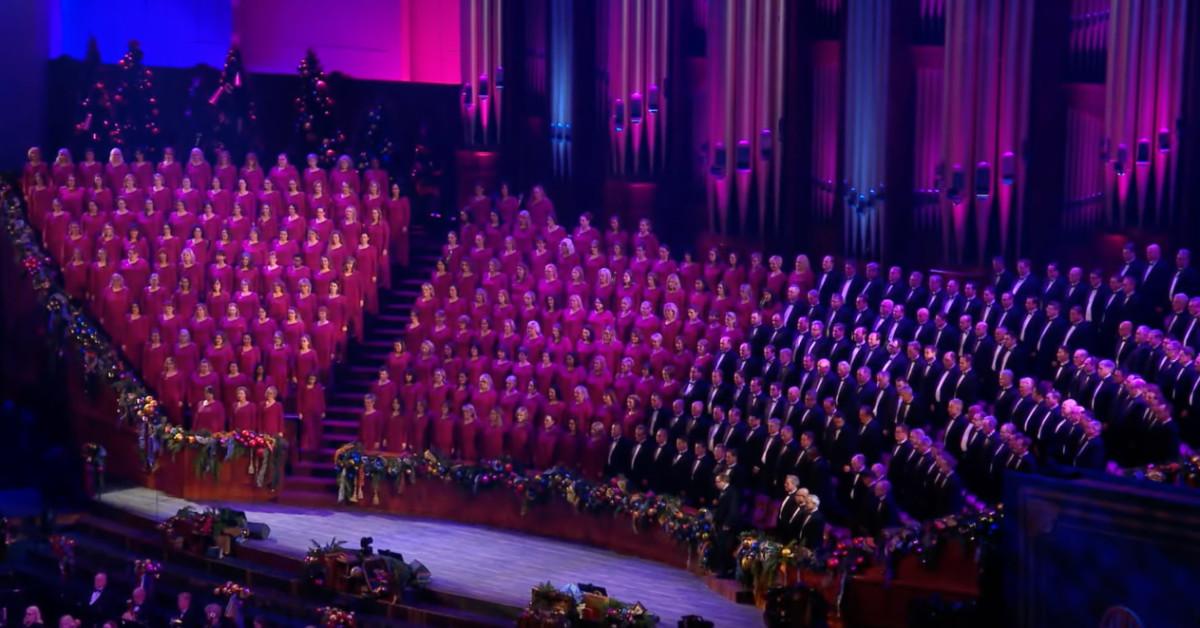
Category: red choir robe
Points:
column 171, row 391
column 419, row 438
column 444, row 428
column 468, row 441
column 492, row 442
column 311, row 405
column 519, row 446
column 197, row 384
column 371, row 429
column 545, row 452
column 230, row 385
column 595, row 452
column 270, row 418
column 245, row 417
column 398, row 430
column 307, row 364
column 153, row 356
column 210, row 416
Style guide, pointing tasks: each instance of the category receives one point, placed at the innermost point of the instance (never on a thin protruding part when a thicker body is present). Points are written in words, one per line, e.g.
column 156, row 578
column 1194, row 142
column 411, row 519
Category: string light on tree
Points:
column 134, row 100
column 97, row 120
column 315, row 125
column 236, row 116
column 376, row 142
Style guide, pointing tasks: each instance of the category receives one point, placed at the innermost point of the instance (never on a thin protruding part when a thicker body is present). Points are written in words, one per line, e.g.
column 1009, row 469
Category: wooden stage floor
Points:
column 475, row 562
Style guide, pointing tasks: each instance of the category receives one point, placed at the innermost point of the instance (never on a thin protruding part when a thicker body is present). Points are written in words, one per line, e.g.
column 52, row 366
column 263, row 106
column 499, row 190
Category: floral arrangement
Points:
column 189, row 521
column 233, row 590
column 569, row 606
column 333, row 617
column 318, row 553
column 267, row 453
column 1184, row 472
column 357, row 469
column 63, row 548
column 146, row 568
column 760, row 559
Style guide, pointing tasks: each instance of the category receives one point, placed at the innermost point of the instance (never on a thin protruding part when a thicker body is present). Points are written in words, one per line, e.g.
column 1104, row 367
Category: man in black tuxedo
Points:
column 894, row 361
column 1095, row 298
column 1176, row 321
column 851, row 284
column 700, row 490
column 863, row 316
column 720, row 393
column 780, row 335
column 101, row 603
column 736, row 431
column 768, row 457
column 681, row 467
column 727, row 358
column 657, row 417
column 680, row 422
column 808, row 521
column 1049, row 337
column 1076, row 290
column 902, row 327
column 954, row 304
column 869, row 436
column 873, row 290
column 1155, row 279
column 839, row 441
column 700, row 423
column 918, row 294
column 727, row 524
column 775, row 404
column 1184, row 280
column 895, row 290
column 1131, row 304
column 1111, row 312
column 739, row 474
column 1055, row 287
column 989, row 309
column 908, row 409
column 1025, row 284
column 1002, row 278
column 1131, row 266
column 945, row 335
column 828, row 281
column 641, row 459
column 936, row 296
column 186, row 614
column 1029, row 327
column 883, row 513
column 1009, row 317
column 783, row 518
column 619, row 447
column 661, row 457
column 1090, row 454
column 1080, row 334
column 793, row 307
column 695, row 389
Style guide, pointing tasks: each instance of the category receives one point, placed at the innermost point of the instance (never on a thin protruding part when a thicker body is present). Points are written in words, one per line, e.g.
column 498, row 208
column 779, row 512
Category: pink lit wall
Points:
column 387, row 40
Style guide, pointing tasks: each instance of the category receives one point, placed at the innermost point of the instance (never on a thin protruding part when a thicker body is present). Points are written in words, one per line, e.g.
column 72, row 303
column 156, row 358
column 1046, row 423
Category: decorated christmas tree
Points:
column 235, row 118
column 376, row 141
column 97, row 119
column 134, row 101
column 315, row 125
